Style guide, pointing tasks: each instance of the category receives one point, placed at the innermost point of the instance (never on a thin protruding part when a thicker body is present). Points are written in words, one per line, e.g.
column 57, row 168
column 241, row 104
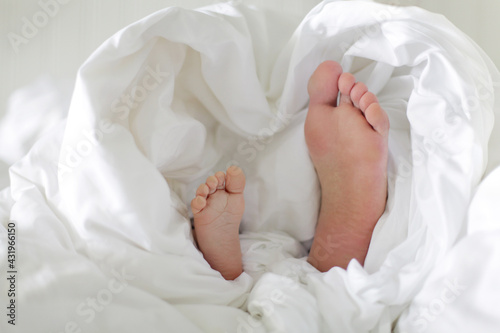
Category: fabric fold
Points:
column 102, row 199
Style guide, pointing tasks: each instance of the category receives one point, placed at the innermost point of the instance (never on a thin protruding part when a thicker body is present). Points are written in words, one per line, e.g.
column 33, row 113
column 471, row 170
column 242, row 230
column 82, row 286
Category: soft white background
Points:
column 80, row 26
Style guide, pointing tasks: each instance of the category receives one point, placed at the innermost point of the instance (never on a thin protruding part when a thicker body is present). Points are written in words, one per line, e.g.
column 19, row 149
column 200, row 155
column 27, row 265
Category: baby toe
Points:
column 377, row 118
column 197, row 204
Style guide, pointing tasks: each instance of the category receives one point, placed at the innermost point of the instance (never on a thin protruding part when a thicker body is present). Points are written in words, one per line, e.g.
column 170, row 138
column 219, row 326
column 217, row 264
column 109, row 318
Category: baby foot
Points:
column 217, row 209
column 347, row 142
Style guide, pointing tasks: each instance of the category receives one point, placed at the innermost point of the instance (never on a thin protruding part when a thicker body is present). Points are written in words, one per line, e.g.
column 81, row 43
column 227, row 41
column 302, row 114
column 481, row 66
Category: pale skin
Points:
column 347, row 142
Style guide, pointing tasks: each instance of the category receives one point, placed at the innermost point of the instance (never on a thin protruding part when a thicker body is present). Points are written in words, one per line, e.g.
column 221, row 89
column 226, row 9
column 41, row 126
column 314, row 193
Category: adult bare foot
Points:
column 217, row 209
column 347, row 142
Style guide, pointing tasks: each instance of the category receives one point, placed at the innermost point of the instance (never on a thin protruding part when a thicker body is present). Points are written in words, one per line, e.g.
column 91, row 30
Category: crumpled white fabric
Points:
column 461, row 293
column 101, row 201
column 32, row 111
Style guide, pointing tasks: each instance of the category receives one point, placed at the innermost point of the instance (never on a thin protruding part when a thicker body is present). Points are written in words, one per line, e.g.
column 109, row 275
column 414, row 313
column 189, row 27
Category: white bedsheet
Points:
column 100, row 202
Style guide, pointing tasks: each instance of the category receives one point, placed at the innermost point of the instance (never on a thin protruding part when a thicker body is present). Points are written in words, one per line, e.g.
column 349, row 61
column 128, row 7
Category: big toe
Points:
column 235, row 180
column 323, row 84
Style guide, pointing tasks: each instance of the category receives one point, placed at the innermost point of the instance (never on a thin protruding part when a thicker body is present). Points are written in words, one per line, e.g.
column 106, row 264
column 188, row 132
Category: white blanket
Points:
column 103, row 233
column 461, row 294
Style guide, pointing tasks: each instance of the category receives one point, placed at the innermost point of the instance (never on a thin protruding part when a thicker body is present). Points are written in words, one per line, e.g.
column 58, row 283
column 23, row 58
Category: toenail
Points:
column 200, row 200
column 234, row 170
